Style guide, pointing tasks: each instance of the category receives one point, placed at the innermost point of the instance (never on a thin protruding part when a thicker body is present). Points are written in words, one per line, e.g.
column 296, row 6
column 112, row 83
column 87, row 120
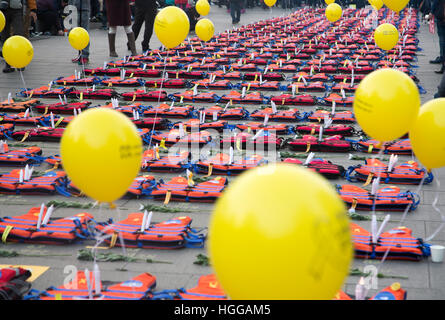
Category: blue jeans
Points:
column 83, row 11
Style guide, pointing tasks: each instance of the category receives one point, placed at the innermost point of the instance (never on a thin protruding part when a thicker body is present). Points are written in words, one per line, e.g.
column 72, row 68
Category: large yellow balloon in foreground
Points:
column 427, row 134
column 18, row 51
column 386, row 104
column 329, row 1
column 205, row 29
column 171, row 26
column 101, row 152
column 280, row 232
column 333, row 12
column 386, row 36
column 202, row 7
column 79, row 38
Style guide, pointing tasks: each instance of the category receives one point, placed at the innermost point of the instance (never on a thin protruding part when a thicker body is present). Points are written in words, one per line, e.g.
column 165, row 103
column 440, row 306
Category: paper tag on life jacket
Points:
column 48, row 214
column 343, row 93
column 266, row 119
column 327, row 121
column 312, row 70
column 294, row 89
column 375, row 185
column 181, row 130
column 309, row 158
column 195, row 90
column 75, row 112
column 52, row 120
column 215, row 116
column 202, row 117
column 392, row 161
column 26, row 115
column 258, row 134
column 81, row 96
column 243, row 92
column 9, row 97
column 274, row 106
column 265, row 70
column 320, row 135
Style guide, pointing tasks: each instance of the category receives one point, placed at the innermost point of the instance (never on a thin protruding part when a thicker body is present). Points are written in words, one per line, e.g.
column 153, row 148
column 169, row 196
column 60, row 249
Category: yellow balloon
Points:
column 270, row 3
column 333, row 12
column 171, row 26
column 376, row 4
column 101, row 152
column 386, row 36
column 205, row 29
column 79, row 38
column 283, row 221
column 396, row 5
column 202, row 7
column 2, row 21
column 427, row 134
column 329, row 1
column 386, row 104
column 18, row 51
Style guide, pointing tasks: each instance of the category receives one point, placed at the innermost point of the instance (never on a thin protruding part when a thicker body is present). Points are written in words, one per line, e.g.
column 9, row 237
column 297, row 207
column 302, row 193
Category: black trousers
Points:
column 144, row 15
column 49, row 21
column 14, row 19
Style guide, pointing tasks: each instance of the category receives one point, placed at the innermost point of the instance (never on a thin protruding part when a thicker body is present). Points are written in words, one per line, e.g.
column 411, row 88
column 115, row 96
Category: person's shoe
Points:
column 8, row 69
column 21, row 69
column 437, row 60
column 83, row 61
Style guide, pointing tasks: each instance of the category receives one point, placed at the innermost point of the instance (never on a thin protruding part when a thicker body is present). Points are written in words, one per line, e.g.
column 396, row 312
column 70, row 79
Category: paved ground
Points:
column 52, row 57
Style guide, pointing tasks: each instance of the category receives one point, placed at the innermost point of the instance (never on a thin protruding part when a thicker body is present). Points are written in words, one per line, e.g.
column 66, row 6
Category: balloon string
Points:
column 419, row 188
column 26, row 88
column 437, row 209
column 373, row 170
column 159, row 99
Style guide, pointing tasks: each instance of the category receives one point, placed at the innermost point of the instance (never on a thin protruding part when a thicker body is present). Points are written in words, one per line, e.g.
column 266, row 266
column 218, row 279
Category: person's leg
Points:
column 6, row 33
column 85, row 23
column 238, row 11
column 233, row 11
column 112, row 41
column 131, row 39
column 150, row 16
column 139, row 18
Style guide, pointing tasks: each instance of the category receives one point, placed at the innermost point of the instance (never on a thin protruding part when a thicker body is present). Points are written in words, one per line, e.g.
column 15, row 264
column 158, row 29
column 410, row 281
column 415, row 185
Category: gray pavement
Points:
column 52, row 59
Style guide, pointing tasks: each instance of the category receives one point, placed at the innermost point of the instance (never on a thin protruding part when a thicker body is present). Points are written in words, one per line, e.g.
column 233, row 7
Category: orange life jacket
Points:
column 23, row 228
column 178, row 189
column 171, row 234
column 311, row 143
column 137, row 288
column 221, row 165
column 339, row 117
column 406, row 173
column 208, row 288
column 399, row 241
column 389, row 198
